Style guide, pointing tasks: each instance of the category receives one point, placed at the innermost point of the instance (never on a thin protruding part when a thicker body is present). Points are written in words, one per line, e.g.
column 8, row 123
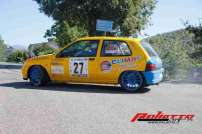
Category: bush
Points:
column 17, row 56
column 43, row 50
column 2, row 50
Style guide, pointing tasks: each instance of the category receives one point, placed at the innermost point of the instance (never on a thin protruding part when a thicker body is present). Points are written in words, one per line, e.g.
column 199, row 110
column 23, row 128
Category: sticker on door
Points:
column 57, row 69
column 78, row 67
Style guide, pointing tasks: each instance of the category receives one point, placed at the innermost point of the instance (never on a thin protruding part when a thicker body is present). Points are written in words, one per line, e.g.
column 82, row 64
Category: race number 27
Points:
column 79, row 67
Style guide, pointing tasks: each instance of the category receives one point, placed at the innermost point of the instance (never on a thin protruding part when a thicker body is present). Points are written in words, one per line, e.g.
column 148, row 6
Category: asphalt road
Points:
column 82, row 109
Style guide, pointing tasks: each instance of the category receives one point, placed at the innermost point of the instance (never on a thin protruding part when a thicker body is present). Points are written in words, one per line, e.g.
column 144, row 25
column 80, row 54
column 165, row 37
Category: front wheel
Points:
column 38, row 76
column 131, row 81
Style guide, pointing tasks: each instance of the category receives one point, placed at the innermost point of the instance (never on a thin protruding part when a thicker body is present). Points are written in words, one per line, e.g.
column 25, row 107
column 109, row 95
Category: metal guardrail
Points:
column 7, row 65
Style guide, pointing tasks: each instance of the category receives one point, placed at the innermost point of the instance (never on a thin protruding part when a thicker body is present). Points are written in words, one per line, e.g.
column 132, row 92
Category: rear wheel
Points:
column 38, row 76
column 131, row 81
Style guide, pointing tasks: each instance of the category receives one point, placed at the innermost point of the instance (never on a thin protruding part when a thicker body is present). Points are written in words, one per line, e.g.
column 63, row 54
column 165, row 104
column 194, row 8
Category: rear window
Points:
column 148, row 48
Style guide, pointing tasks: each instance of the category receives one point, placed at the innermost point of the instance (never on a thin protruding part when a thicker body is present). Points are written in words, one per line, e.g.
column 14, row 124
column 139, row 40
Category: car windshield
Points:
column 148, row 48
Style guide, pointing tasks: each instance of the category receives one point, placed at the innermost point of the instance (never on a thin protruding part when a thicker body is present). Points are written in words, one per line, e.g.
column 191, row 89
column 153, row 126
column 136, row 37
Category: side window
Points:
column 115, row 48
column 81, row 49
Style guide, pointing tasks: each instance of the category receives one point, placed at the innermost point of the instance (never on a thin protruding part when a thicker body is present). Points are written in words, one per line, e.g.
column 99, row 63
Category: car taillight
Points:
column 150, row 67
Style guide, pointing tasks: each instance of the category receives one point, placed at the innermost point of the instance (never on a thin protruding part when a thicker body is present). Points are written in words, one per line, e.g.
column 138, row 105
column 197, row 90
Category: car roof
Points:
column 109, row 38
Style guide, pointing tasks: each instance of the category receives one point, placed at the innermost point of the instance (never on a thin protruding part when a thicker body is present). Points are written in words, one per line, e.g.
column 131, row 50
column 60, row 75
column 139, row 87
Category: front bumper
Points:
column 153, row 77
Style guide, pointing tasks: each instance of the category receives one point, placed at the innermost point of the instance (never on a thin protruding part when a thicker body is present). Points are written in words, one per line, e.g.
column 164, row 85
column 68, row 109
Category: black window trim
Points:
column 77, row 56
column 115, row 55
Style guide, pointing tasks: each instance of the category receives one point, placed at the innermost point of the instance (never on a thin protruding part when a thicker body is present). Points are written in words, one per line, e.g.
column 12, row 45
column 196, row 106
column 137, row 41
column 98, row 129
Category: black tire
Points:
column 132, row 81
column 38, row 76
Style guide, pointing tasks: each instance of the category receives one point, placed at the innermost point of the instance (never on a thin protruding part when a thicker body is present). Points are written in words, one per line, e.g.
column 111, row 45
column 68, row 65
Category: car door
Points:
column 115, row 57
column 79, row 61
column 59, row 67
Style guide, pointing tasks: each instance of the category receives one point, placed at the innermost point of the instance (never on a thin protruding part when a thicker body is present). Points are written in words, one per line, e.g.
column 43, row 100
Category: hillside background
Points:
column 179, row 52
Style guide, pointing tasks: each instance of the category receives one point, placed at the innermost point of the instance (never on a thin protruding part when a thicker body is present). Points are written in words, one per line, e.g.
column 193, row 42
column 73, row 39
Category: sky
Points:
column 169, row 15
column 22, row 24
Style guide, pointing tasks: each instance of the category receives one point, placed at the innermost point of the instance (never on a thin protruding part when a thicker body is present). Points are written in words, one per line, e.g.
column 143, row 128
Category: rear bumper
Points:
column 153, row 77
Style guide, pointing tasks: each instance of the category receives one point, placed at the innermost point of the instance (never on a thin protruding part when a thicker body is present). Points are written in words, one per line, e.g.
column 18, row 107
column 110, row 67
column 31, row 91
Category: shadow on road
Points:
column 71, row 88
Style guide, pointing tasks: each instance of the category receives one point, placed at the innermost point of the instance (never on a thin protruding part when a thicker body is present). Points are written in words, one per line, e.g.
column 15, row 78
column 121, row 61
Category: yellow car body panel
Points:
column 59, row 69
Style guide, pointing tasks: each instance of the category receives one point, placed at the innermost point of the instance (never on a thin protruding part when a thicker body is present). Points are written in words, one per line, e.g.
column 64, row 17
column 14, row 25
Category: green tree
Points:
column 17, row 56
column 130, row 16
column 196, row 30
column 43, row 49
column 63, row 33
column 2, row 49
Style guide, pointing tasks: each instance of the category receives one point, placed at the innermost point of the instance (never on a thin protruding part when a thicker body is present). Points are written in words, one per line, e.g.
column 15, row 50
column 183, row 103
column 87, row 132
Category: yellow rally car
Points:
column 103, row 60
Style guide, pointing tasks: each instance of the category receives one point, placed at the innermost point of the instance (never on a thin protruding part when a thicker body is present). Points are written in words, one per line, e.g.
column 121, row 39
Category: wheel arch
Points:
column 144, row 80
column 28, row 72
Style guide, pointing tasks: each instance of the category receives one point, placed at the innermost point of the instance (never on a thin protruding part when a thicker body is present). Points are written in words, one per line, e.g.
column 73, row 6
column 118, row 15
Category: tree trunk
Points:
column 92, row 26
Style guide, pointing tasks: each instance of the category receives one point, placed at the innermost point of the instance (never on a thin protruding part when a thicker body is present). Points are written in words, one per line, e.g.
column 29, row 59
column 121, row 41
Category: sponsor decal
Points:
column 57, row 69
column 111, row 48
column 161, row 117
column 106, row 66
column 126, row 60
column 111, row 52
column 130, row 65
column 78, row 67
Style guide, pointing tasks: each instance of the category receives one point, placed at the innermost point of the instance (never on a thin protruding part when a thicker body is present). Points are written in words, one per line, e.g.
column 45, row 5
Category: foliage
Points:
column 42, row 49
column 64, row 33
column 196, row 30
column 79, row 16
column 2, row 50
column 174, row 49
column 17, row 56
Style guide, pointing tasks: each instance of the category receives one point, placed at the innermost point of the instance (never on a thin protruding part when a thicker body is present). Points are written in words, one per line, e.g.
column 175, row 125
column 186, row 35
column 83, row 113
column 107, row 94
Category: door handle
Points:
column 91, row 58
